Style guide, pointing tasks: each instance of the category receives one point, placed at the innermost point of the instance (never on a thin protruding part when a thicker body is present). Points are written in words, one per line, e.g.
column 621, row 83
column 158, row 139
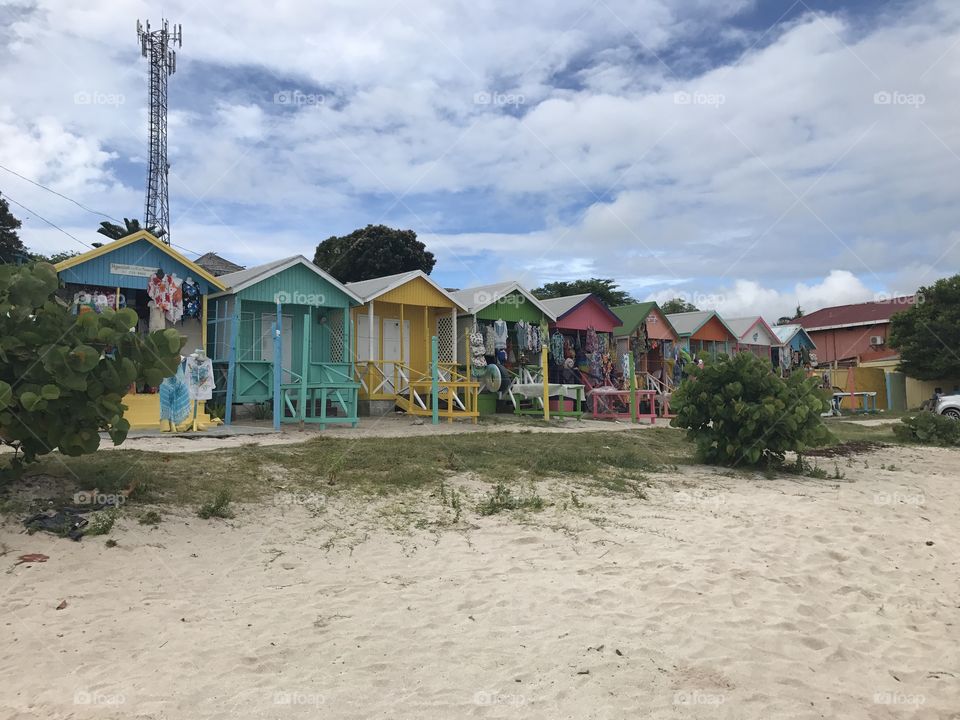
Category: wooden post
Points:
column 434, row 381
column 453, row 336
column 633, row 391
column 305, row 368
column 232, row 362
column 203, row 326
column 277, row 328
column 546, row 382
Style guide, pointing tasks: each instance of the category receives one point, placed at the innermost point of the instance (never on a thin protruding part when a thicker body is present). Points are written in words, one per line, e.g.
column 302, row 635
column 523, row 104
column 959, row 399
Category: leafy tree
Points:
column 373, row 251
column 737, row 411
column 927, row 334
column 54, row 258
column 605, row 288
column 62, row 377
column 677, row 305
column 787, row 320
column 10, row 244
column 129, row 227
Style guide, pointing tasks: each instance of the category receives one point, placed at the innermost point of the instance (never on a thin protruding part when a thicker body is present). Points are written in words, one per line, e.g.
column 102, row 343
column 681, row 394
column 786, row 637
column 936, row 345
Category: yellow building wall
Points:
column 417, row 292
column 865, row 379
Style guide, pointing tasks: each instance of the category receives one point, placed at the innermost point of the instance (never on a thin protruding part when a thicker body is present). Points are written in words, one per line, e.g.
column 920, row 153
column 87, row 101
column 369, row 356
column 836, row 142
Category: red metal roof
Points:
column 857, row 314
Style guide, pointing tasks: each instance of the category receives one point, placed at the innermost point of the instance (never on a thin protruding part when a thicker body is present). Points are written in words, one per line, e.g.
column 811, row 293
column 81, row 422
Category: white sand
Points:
column 727, row 596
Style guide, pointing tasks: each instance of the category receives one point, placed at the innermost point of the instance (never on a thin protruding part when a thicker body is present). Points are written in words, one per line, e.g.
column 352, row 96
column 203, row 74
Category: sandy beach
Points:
column 722, row 594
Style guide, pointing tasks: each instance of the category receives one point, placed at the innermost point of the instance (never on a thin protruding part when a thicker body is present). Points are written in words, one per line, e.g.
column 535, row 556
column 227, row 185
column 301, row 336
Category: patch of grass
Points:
column 218, row 507
column 500, row 499
column 150, row 517
column 369, row 466
column 623, row 484
column 102, row 522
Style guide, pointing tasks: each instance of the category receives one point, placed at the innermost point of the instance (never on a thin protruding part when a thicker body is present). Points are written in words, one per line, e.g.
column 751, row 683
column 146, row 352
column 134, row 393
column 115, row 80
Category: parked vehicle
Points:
column 949, row 405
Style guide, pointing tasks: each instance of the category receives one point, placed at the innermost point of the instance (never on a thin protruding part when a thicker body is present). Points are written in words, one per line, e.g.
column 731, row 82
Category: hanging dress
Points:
column 175, row 398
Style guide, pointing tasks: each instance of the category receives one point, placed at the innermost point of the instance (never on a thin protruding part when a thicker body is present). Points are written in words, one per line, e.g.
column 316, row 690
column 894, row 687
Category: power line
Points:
column 51, row 190
column 53, row 225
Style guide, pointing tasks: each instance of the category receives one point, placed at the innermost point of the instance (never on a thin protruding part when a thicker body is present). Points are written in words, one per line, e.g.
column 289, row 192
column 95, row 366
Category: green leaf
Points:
column 50, row 392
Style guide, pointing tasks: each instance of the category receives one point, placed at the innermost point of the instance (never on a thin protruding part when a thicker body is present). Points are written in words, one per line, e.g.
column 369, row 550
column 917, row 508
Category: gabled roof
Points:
column 565, row 305
column 689, row 322
column 373, row 288
column 242, row 279
column 868, row 313
column 743, row 325
column 632, row 315
column 477, row 298
column 785, row 333
column 216, row 265
column 107, row 248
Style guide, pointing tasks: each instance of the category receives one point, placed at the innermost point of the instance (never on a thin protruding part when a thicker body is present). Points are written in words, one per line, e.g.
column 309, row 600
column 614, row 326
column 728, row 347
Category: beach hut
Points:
column 512, row 304
column 583, row 331
column 164, row 288
column 285, row 324
column 703, row 331
column 394, row 328
column 796, row 347
column 648, row 335
column 755, row 336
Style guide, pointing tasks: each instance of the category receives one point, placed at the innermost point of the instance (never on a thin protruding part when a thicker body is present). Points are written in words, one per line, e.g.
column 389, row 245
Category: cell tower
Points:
column 157, row 46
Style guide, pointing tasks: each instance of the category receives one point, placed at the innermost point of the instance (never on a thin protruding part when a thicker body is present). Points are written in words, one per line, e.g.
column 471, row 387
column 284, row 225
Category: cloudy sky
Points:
column 748, row 155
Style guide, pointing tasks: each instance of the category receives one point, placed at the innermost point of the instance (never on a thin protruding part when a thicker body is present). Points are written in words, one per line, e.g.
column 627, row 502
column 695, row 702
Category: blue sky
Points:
column 746, row 155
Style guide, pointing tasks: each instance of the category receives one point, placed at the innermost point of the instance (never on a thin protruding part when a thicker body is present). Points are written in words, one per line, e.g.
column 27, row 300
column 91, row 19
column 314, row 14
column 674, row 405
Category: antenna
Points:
column 158, row 47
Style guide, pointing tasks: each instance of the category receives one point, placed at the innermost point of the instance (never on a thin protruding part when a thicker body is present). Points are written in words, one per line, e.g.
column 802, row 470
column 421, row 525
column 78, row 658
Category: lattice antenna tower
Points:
column 158, row 47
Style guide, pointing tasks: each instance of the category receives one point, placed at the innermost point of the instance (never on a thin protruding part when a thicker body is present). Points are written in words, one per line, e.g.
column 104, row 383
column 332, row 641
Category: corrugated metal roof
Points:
column 785, row 332
column 562, row 305
column 632, row 315
column 689, row 322
column 243, row 279
column 374, row 286
column 479, row 297
column 856, row 314
column 216, row 265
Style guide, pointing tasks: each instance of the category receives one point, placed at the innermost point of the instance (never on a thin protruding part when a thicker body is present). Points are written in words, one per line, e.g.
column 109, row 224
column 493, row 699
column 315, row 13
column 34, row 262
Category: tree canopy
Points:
column 10, row 244
column 927, row 335
column 605, row 288
column 373, row 251
column 677, row 305
column 63, row 377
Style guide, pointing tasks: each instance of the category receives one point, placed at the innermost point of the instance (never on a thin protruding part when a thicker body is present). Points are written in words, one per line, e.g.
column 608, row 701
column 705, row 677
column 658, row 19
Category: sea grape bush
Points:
column 62, row 376
column 928, row 428
column 738, row 411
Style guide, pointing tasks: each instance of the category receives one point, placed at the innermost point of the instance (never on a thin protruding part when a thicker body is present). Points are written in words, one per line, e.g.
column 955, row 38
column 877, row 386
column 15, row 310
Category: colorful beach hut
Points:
column 280, row 333
column 755, row 336
column 703, row 331
column 795, row 347
column 648, row 335
column 583, row 331
column 394, row 327
column 164, row 288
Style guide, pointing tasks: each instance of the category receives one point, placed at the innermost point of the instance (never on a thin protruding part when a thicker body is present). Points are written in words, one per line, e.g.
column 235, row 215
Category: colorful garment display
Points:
column 175, row 398
column 488, row 343
column 166, row 292
column 157, row 320
column 478, row 350
column 192, row 306
column 198, row 371
column 556, row 348
column 499, row 335
column 520, row 330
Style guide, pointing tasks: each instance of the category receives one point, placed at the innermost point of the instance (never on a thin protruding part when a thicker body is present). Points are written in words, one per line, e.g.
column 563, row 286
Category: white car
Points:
column 949, row 405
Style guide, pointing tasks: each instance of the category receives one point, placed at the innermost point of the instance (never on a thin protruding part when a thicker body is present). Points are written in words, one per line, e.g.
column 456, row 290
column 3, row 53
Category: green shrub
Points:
column 218, row 507
column 929, row 428
column 737, row 411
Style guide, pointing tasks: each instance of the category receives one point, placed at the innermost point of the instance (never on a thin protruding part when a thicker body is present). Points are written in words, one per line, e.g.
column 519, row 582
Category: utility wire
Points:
column 41, row 185
column 53, row 225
